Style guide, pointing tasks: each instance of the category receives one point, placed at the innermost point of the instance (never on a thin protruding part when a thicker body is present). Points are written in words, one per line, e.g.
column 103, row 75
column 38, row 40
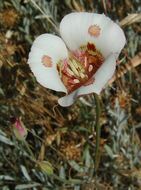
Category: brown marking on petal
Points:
column 94, row 30
column 46, row 60
column 90, row 81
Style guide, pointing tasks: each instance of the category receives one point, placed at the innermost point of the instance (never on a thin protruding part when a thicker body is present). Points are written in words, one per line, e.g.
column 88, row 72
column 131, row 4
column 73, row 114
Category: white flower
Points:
column 82, row 61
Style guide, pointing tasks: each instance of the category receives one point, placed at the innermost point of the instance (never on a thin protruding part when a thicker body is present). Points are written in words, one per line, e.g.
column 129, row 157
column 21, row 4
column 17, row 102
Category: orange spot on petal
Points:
column 94, row 30
column 46, row 60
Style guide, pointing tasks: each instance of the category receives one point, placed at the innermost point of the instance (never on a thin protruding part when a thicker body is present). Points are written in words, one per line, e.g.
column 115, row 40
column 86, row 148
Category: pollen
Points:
column 94, row 30
column 46, row 60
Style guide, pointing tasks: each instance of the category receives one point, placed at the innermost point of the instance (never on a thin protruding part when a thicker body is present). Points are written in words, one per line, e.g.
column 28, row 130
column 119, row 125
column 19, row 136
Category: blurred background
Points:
column 59, row 149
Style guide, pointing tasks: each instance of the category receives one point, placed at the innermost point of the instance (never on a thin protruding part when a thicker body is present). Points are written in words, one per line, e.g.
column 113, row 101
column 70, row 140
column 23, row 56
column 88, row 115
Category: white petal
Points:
column 74, row 30
column 102, row 76
column 69, row 99
column 52, row 46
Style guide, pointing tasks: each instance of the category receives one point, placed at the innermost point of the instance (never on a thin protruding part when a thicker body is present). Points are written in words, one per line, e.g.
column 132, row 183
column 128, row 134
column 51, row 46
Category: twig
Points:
column 130, row 19
column 134, row 62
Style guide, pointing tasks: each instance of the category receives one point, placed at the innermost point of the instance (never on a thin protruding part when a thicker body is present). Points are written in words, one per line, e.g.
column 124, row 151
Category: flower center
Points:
column 80, row 67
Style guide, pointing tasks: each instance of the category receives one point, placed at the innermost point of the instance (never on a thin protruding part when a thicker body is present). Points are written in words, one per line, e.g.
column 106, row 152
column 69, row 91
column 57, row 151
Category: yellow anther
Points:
column 76, row 81
column 74, row 70
column 70, row 72
column 85, row 62
column 90, row 68
column 75, row 63
column 82, row 75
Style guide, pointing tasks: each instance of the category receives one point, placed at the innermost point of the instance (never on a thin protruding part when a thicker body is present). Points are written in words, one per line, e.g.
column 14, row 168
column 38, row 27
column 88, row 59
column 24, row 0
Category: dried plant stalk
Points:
column 134, row 62
column 130, row 19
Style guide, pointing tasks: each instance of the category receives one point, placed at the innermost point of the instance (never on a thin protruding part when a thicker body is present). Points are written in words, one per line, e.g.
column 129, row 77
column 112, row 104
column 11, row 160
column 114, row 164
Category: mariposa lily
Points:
column 82, row 60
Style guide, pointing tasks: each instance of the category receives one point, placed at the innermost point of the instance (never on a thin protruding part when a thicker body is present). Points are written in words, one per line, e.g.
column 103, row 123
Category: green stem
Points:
column 30, row 151
column 98, row 131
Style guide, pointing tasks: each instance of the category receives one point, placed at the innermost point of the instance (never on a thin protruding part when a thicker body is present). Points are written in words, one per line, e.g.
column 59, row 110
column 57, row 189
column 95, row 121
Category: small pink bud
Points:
column 19, row 129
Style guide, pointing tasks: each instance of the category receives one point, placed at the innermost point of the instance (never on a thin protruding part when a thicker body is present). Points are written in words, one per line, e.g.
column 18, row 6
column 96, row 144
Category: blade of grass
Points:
column 45, row 15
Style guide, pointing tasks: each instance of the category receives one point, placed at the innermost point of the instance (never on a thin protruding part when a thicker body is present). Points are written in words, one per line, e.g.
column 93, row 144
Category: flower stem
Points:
column 98, row 131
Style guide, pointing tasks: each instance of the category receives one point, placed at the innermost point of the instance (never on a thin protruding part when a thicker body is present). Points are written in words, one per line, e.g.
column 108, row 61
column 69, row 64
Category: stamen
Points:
column 85, row 62
column 46, row 60
column 83, row 76
column 94, row 30
column 79, row 68
column 74, row 69
column 75, row 64
column 73, row 81
column 90, row 68
column 70, row 72
column 76, row 81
